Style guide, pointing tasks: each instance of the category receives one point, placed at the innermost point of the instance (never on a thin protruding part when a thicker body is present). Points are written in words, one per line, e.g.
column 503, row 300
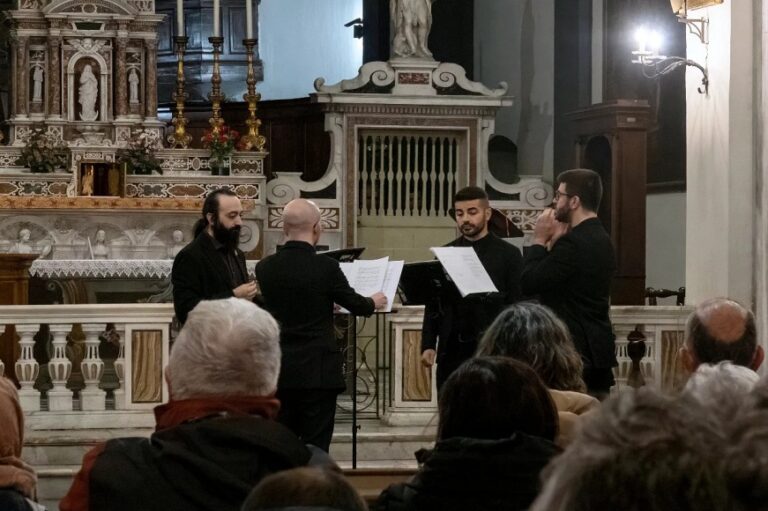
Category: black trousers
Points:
column 309, row 413
column 599, row 382
column 450, row 359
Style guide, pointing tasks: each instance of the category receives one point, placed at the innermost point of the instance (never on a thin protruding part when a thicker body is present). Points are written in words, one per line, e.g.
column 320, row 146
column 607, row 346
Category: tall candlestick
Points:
column 248, row 19
column 180, row 18
column 216, row 19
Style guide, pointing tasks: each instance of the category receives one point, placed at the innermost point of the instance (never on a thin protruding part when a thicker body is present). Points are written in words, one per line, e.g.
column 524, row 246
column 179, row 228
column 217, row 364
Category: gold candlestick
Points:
column 180, row 137
column 215, row 96
column 252, row 140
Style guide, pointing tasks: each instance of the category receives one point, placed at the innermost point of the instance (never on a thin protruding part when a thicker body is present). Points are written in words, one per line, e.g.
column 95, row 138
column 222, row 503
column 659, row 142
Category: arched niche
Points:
column 74, row 70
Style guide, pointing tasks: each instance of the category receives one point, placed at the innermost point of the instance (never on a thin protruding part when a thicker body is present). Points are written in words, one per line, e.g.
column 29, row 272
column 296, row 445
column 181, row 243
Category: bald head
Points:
column 301, row 221
column 721, row 329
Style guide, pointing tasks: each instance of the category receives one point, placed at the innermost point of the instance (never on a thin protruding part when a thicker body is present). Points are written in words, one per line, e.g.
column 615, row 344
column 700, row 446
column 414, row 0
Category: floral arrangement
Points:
column 140, row 153
column 44, row 152
column 221, row 146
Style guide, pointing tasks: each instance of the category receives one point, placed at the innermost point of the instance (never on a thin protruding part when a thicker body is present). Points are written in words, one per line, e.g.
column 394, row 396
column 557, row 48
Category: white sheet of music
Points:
column 366, row 277
column 465, row 269
column 391, row 281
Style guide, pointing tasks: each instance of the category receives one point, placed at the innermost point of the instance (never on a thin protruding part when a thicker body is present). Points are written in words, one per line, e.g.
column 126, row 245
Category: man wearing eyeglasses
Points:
column 452, row 324
column 569, row 266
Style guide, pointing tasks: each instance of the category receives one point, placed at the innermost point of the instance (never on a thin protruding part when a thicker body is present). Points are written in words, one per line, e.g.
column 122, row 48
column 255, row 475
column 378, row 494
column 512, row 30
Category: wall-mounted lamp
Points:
column 358, row 27
column 655, row 65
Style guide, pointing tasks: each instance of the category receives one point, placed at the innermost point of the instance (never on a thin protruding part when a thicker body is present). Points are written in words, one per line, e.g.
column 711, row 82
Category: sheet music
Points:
column 365, row 277
column 391, row 281
column 465, row 269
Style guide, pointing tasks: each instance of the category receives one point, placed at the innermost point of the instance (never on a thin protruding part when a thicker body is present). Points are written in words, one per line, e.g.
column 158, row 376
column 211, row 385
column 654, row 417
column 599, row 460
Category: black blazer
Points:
column 199, row 273
column 459, row 322
column 574, row 280
column 299, row 288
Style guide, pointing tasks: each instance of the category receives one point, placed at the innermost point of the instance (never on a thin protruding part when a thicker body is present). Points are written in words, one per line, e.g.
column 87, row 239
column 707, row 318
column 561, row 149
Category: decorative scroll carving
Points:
column 329, row 218
column 380, row 74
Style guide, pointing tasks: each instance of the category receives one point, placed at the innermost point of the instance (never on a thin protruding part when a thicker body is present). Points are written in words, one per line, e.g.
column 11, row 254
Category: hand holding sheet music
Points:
column 370, row 277
column 465, row 269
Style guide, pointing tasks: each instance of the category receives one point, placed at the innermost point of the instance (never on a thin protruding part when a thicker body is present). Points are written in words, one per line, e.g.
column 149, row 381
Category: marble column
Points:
column 150, row 79
column 22, row 51
column 54, row 77
column 761, row 209
column 121, row 103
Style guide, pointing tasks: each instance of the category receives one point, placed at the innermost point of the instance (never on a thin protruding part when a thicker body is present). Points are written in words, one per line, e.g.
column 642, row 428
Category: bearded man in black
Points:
column 211, row 267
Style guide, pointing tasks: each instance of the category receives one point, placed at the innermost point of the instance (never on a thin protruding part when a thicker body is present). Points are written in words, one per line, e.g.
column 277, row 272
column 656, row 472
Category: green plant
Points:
column 221, row 146
column 44, row 152
column 140, row 153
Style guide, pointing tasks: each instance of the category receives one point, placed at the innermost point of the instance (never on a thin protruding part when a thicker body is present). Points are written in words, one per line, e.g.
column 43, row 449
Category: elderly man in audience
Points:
column 533, row 334
column 216, row 438
column 646, row 451
column 718, row 330
column 496, row 430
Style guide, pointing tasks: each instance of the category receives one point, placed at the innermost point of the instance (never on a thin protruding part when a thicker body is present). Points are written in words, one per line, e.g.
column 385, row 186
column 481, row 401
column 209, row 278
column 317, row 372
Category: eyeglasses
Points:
column 559, row 194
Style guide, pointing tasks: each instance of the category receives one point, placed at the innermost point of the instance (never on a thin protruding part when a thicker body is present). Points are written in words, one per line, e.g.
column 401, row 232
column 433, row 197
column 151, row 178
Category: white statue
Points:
column 89, row 91
column 178, row 244
column 22, row 245
column 411, row 23
column 133, row 80
column 37, row 89
column 100, row 250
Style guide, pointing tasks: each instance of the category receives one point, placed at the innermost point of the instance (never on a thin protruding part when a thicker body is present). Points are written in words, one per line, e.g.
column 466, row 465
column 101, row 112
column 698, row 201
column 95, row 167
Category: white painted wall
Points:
column 514, row 42
column 720, row 157
column 665, row 241
column 301, row 40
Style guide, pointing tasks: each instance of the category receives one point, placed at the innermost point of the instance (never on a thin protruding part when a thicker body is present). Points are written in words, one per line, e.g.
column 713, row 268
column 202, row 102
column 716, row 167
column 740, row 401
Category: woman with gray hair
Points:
column 533, row 334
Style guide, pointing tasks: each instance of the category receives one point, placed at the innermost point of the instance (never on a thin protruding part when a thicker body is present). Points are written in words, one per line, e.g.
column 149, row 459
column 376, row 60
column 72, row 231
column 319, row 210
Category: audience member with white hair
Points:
column 216, row 438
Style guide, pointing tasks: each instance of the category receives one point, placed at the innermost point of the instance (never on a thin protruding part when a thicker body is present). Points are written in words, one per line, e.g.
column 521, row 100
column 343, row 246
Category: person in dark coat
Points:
column 569, row 266
column 300, row 287
column 216, row 438
column 452, row 324
column 496, row 428
column 212, row 267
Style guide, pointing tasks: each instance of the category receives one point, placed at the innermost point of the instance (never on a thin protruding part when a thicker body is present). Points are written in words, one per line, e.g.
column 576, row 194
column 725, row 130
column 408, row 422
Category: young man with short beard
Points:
column 452, row 324
column 211, row 267
column 570, row 265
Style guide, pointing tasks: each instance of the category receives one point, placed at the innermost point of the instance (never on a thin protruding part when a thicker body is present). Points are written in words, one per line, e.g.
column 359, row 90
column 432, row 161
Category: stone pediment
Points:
column 90, row 8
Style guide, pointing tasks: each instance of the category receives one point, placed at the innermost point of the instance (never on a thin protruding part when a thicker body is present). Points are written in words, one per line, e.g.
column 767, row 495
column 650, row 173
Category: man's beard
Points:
column 230, row 238
column 563, row 215
column 470, row 230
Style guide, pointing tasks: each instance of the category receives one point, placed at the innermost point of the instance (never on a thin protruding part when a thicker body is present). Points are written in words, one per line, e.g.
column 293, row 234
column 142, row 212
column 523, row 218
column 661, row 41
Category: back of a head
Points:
column 300, row 216
column 585, row 184
column 643, row 451
column 305, row 488
column 494, row 397
column 531, row 333
column 721, row 329
column 227, row 348
column 705, row 380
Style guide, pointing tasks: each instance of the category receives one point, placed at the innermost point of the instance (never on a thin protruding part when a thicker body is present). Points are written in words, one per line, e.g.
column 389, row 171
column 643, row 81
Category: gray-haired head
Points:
column 707, row 376
column 226, row 348
column 531, row 333
column 647, row 451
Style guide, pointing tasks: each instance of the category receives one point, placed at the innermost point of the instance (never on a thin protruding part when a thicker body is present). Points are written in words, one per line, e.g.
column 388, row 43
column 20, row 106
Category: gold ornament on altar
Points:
column 180, row 137
column 252, row 140
column 215, row 96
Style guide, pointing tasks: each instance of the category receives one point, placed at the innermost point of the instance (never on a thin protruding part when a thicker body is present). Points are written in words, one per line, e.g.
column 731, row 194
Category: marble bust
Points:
column 22, row 245
column 99, row 249
column 178, row 244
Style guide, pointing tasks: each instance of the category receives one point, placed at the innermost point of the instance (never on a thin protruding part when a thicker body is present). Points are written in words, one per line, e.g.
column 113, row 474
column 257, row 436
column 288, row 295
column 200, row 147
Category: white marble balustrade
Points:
column 142, row 332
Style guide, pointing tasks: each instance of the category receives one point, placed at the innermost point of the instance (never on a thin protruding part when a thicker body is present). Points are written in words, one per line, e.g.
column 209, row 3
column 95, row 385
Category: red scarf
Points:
column 178, row 412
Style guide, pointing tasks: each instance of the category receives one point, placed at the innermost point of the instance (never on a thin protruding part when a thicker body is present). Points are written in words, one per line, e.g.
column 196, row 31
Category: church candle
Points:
column 180, row 17
column 248, row 19
column 216, row 19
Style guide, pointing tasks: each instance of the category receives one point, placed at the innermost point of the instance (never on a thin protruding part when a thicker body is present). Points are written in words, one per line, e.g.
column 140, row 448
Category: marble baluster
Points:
column 27, row 368
column 150, row 79
column 121, row 105
column 92, row 397
column 54, row 77
column 120, row 368
column 60, row 368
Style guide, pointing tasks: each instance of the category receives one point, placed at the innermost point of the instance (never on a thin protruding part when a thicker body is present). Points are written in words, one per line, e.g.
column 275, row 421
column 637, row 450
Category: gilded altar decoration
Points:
column 44, row 152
